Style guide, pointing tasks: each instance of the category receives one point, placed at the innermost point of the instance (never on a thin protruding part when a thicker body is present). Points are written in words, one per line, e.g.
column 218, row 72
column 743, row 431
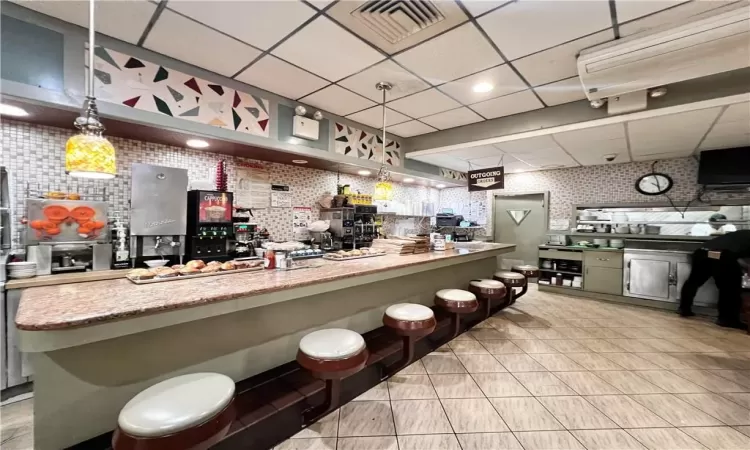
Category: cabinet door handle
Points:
column 602, row 259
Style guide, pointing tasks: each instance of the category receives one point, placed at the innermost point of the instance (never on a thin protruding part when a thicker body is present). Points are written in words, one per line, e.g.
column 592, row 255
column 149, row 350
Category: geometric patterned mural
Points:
column 452, row 174
column 360, row 144
column 150, row 87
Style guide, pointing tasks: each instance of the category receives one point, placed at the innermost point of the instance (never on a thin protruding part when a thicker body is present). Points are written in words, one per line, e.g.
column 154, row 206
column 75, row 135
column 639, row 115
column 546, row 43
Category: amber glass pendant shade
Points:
column 383, row 191
column 88, row 155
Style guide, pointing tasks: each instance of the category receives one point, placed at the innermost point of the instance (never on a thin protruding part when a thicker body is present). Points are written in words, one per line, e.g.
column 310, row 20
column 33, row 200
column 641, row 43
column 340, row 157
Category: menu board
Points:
column 280, row 196
column 301, row 217
column 253, row 188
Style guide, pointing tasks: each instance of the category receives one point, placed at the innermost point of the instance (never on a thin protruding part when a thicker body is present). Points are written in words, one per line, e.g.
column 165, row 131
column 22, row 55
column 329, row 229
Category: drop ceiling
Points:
column 320, row 54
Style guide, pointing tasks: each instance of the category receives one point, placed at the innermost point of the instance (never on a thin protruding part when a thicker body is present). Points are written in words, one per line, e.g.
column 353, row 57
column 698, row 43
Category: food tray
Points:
column 199, row 275
column 352, row 257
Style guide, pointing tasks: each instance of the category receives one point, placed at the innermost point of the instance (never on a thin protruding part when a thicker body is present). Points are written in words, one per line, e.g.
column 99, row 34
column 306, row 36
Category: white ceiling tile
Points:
column 455, row 54
column 596, row 159
column 530, row 26
column 730, row 128
column 481, row 151
column 660, row 155
column 527, row 145
column 559, row 62
column 736, row 113
column 683, row 127
column 337, row 100
column 494, row 161
column 731, row 141
column 326, row 49
column 207, row 48
column 320, row 4
column 280, row 77
column 602, row 133
column 261, row 24
column 403, row 82
column 374, row 117
column 109, row 15
column 477, row 7
column 424, row 103
column 632, row 9
column 412, row 128
column 508, row 105
column 596, row 148
column 518, row 167
column 671, row 15
column 502, row 78
column 444, row 161
column 563, row 91
column 453, row 118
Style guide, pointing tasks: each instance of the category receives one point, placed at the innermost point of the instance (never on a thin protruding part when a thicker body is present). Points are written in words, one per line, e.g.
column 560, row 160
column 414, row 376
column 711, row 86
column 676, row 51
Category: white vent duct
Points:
column 395, row 20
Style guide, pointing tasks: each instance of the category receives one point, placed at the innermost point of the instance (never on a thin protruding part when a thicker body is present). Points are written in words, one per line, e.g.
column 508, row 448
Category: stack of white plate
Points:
column 22, row 269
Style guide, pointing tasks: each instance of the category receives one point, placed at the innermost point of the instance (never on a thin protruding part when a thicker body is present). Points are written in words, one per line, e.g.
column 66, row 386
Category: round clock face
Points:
column 654, row 184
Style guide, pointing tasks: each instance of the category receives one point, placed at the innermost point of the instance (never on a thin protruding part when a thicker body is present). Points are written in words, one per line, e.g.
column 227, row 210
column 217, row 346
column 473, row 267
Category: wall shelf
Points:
column 564, row 272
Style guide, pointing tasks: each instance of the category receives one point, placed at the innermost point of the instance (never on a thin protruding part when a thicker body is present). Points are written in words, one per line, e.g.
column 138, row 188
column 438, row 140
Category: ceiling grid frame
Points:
column 713, row 124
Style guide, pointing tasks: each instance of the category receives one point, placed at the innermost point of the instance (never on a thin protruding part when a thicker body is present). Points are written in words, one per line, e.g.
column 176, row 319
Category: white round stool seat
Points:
column 487, row 284
column 176, row 404
column 508, row 274
column 409, row 312
column 332, row 344
column 456, row 295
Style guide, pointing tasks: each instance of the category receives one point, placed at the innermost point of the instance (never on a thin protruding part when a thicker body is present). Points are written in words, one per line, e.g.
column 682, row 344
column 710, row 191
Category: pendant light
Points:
column 384, row 187
column 89, row 154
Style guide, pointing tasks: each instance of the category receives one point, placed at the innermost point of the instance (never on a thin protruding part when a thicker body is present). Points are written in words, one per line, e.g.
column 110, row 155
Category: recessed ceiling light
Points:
column 364, row 173
column 408, row 180
column 440, row 186
column 196, row 143
column 299, row 161
column 10, row 110
column 483, row 87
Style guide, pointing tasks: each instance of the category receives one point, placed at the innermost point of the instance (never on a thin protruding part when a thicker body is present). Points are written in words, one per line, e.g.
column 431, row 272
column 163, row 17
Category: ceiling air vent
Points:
column 394, row 20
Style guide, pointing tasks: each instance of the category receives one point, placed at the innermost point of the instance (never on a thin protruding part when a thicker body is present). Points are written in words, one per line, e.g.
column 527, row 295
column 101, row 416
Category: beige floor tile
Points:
column 741, row 398
column 631, row 361
column 743, row 430
column 567, row 346
column 455, row 385
column 626, row 412
column 442, row 363
column 670, row 382
column 727, row 411
column 575, row 413
column 741, row 377
column 593, row 361
column 633, row 333
column 667, row 361
column 629, row 382
column 719, row 438
column 600, row 346
column 543, row 383
column 500, row 385
column 663, row 345
column 306, row 444
column 546, row 333
column 525, row 414
column 665, row 439
column 548, row 440
column 501, row 347
column 379, row 392
column 710, row 381
column 576, row 333
column 483, row 324
column 587, row 383
column 607, row 440
column 464, row 337
column 557, row 362
column 410, row 387
column 489, row 441
column 368, row 443
column 534, row 346
column 603, row 333
column 420, row 417
column 514, row 332
column 481, row 363
column 675, row 411
column 520, row 363
column 694, row 345
column 485, row 334
column 22, row 439
column 473, row 415
column 415, row 368
column 366, row 419
column 328, row 426
column 710, row 360
column 632, row 345
column 429, row 442
column 582, row 323
column 467, row 347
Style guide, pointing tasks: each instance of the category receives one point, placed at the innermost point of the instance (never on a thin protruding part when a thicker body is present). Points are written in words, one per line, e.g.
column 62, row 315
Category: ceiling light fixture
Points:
column 364, row 173
column 13, row 111
column 483, row 87
column 299, row 161
column 408, row 180
column 196, row 143
column 657, row 92
column 440, row 186
column 89, row 154
column 384, row 187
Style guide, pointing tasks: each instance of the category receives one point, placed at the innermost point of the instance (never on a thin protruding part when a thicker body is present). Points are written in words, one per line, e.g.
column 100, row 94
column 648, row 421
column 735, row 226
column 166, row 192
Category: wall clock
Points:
column 654, row 183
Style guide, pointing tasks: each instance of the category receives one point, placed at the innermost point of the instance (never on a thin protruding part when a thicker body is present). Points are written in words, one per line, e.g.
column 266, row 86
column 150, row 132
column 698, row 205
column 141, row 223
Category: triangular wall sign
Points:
column 518, row 215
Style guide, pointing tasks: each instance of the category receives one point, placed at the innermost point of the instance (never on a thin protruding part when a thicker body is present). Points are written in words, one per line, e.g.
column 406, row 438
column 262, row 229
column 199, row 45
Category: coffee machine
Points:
column 209, row 225
column 341, row 222
column 158, row 212
column 364, row 224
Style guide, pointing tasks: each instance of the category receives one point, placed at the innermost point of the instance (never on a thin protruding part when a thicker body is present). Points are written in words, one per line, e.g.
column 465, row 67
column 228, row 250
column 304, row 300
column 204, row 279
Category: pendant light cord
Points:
column 382, row 159
column 90, row 92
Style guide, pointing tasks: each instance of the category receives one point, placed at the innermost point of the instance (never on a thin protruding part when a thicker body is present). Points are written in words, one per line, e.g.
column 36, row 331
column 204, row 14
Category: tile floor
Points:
column 553, row 372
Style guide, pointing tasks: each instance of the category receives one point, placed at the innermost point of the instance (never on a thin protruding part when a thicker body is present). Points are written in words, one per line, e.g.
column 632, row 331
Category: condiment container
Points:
column 269, row 259
column 281, row 260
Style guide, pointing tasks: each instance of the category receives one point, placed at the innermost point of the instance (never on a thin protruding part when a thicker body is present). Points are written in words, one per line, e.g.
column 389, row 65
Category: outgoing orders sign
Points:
column 486, row 179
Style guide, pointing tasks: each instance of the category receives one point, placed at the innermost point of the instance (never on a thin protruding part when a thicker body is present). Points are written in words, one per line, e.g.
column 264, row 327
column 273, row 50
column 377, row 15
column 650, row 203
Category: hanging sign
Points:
column 486, row 179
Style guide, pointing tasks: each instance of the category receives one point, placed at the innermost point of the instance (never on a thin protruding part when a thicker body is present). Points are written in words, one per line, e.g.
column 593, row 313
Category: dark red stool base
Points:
column 200, row 437
column 456, row 309
column 487, row 296
column 409, row 330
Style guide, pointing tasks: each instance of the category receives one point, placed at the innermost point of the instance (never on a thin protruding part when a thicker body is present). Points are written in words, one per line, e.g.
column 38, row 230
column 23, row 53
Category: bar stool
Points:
column 456, row 302
column 188, row 412
column 528, row 271
column 511, row 280
column 331, row 355
column 410, row 321
column 488, row 291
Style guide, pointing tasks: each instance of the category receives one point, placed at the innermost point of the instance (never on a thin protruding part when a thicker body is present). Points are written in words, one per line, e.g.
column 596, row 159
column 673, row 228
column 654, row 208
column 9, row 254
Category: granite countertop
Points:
column 578, row 247
column 65, row 278
column 66, row 306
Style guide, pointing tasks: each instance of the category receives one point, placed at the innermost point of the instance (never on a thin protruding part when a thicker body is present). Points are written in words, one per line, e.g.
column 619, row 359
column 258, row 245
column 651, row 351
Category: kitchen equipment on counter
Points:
column 587, row 217
column 245, row 240
column 652, row 229
column 324, row 239
column 635, row 229
column 4, row 212
column 601, row 242
column 617, row 243
column 443, row 219
column 120, row 243
column 22, row 269
column 622, row 229
column 603, row 228
column 365, row 229
column 557, row 239
column 156, row 262
column 158, row 212
column 546, row 264
column 209, row 225
column 341, row 222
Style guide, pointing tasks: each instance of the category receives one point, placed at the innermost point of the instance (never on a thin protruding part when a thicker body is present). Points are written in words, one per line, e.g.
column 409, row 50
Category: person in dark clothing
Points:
column 717, row 258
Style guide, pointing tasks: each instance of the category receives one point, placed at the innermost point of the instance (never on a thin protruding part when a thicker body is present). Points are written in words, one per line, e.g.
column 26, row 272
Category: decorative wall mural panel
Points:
column 360, row 144
column 452, row 174
column 150, row 87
